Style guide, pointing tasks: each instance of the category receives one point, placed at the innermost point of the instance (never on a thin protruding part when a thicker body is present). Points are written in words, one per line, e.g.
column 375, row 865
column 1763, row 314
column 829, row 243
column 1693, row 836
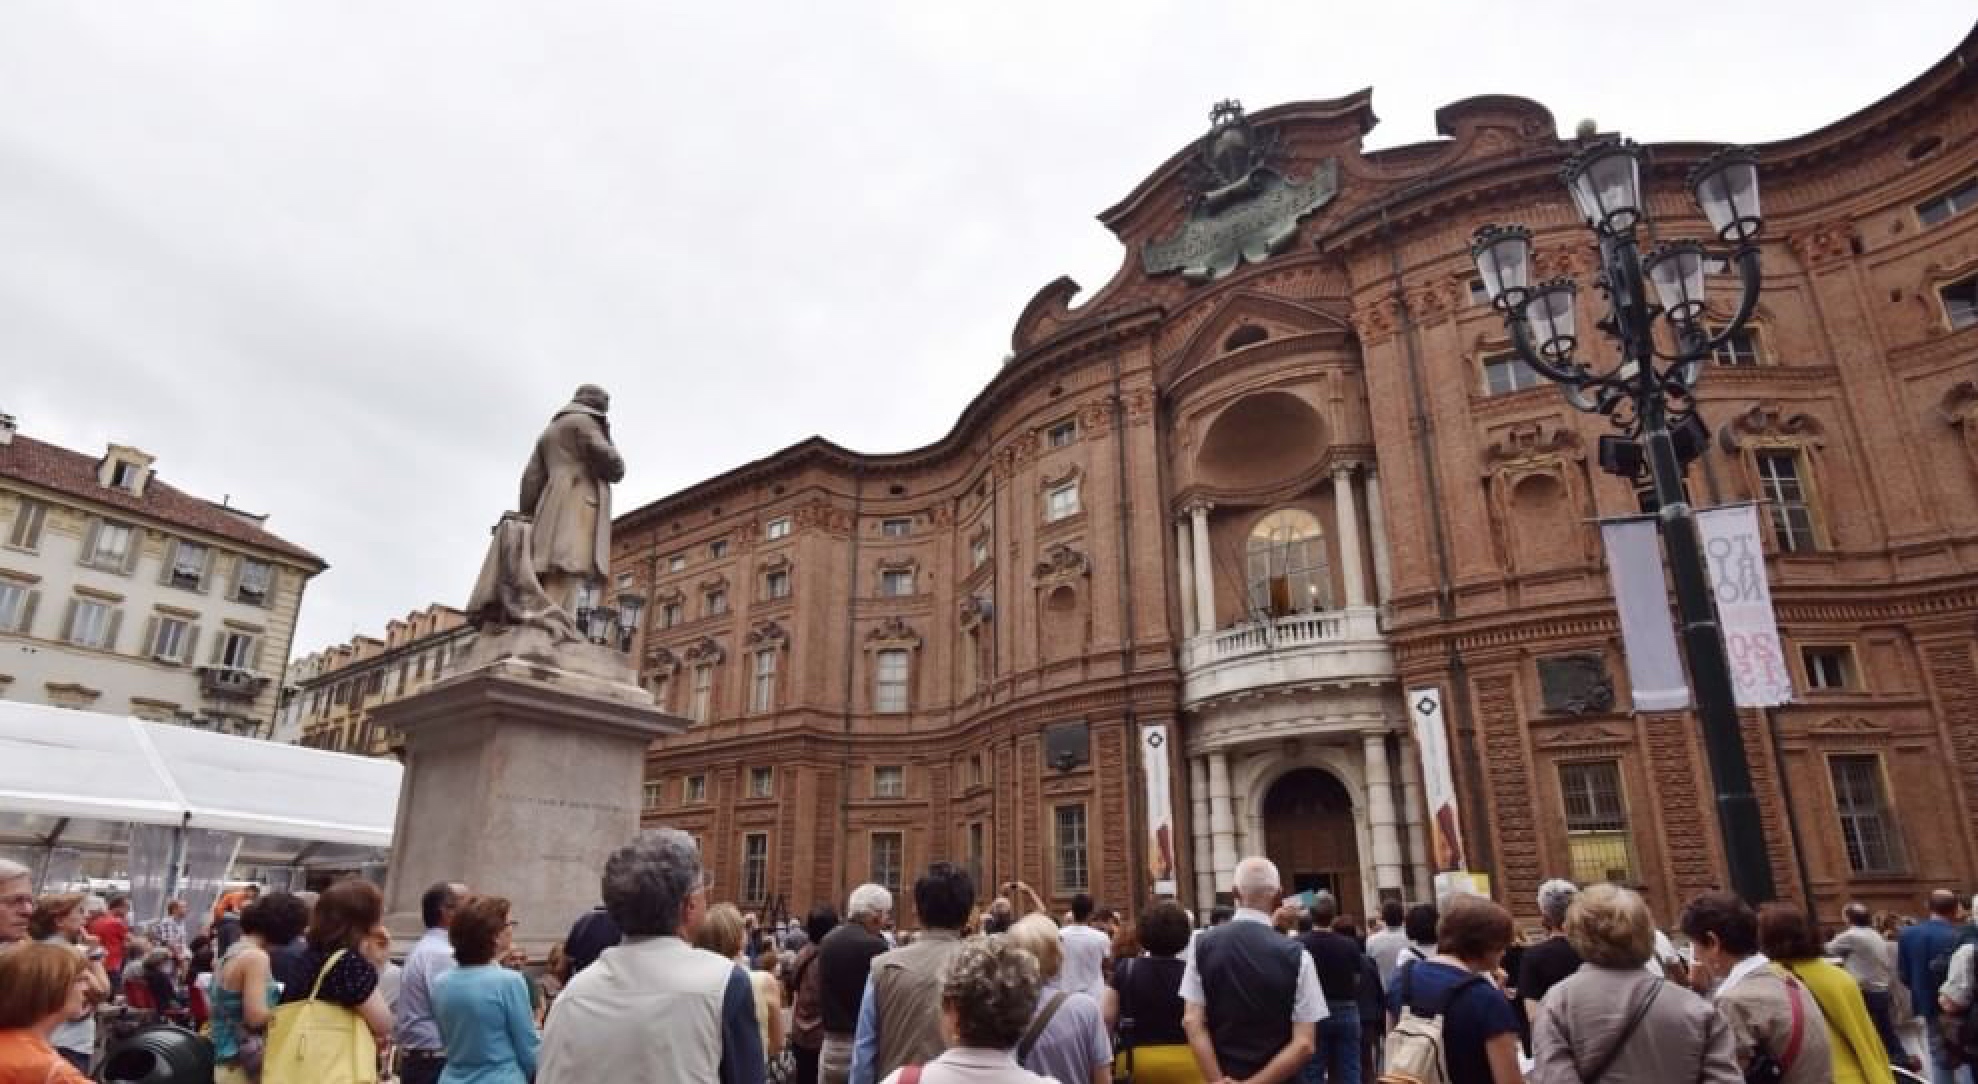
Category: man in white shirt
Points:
column 1085, row 948
column 1385, row 947
column 1251, row 996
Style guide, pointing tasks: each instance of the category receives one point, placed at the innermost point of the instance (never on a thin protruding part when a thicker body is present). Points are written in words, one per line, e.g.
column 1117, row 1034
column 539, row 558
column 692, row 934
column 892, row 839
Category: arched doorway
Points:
column 1309, row 832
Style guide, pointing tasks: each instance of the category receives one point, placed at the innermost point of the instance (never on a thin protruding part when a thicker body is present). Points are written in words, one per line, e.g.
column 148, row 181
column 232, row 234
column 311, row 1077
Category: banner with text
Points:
column 1438, row 780
column 1160, row 807
column 1648, row 639
column 1735, row 552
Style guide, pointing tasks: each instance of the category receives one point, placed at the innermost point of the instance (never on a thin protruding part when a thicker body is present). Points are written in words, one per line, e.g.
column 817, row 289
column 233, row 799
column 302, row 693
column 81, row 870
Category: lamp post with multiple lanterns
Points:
column 1647, row 396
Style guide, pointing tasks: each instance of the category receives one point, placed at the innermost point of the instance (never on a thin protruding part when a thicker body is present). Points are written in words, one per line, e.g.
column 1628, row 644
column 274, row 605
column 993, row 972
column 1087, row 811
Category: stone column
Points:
column 1352, row 569
column 1422, row 863
column 1222, row 821
column 1377, row 527
column 1380, row 813
column 1205, row 859
column 1184, row 565
column 1205, row 581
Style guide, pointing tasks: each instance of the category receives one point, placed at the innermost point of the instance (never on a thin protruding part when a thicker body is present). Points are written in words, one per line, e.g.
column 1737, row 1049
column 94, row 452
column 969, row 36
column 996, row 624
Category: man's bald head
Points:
column 1945, row 904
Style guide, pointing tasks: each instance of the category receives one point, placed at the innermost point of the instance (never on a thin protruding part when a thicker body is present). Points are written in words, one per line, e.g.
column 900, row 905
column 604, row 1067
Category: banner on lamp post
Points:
column 1735, row 553
column 1648, row 638
column 1438, row 780
column 1160, row 807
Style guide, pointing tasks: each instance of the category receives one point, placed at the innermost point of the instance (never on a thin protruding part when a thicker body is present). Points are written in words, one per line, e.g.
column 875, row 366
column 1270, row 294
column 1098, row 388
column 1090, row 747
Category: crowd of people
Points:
column 658, row 983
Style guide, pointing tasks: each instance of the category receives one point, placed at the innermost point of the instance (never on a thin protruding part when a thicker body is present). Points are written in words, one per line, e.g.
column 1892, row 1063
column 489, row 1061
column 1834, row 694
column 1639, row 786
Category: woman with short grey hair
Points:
column 987, row 997
column 1550, row 961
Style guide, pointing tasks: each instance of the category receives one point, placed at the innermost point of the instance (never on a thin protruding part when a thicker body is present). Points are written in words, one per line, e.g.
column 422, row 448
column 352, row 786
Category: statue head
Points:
column 594, row 397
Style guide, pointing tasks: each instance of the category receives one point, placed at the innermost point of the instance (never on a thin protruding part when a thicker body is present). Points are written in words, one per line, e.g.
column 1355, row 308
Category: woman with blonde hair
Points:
column 1618, row 1022
column 724, row 933
column 42, row 987
column 1067, row 1038
column 59, row 920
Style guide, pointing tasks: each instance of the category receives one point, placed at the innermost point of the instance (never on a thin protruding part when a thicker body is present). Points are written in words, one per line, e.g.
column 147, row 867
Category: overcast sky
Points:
column 341, row 260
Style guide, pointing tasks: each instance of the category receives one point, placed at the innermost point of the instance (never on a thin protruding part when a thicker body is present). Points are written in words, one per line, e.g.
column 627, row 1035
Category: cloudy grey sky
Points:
column 340, row 259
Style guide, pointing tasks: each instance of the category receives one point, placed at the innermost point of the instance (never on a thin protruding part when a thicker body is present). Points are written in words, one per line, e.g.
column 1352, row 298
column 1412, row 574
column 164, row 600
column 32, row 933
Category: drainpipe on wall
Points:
column 1478, row 837
column 851, row 676
column 1136, row 815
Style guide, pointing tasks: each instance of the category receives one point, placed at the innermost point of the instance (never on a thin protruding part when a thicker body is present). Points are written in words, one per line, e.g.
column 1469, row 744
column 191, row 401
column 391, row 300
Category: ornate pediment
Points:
column 1849, row 726
column 1049, row 480
column 892, row 632
column 776, row 563
column 661, row 660
column 1585, row 734
column 671, row 594
column 899, row 564
column 1061, row 563
column 714, row 583
column 1769, row 423
column 1531, row 446
column 766, row 634
column 705, row 650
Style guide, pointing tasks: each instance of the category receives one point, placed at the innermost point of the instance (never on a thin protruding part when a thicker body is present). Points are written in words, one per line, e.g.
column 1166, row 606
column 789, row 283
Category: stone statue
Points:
column 559, row 542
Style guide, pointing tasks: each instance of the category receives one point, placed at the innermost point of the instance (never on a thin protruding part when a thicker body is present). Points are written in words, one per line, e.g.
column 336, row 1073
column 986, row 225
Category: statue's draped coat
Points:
column 567, row 490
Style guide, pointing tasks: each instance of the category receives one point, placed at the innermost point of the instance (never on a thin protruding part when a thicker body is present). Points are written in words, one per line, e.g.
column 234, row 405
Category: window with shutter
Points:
column 188, row 565
column 26, row 531
column 13, row 607
column 111, row 547
column 91, row 624
column 254, row 582
column 170, row 638
column 239, row 650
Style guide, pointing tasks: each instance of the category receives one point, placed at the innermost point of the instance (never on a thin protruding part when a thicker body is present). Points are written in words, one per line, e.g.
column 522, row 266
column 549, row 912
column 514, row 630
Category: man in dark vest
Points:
column 1252, row 995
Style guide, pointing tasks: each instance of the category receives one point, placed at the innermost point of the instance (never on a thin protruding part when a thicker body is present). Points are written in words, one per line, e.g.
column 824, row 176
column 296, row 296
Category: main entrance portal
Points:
column 1310, row 833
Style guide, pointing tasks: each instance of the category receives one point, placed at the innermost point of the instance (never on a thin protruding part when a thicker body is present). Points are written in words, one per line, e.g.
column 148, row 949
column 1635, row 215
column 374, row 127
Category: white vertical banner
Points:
column 1648, row 639
column 1735, row 553
column 1160, row 807
column 1438, row 779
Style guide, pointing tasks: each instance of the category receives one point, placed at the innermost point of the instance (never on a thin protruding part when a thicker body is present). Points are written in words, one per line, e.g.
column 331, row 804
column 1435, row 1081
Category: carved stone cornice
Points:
column 1062, row 564
column 892, row 632
column 1769, row 423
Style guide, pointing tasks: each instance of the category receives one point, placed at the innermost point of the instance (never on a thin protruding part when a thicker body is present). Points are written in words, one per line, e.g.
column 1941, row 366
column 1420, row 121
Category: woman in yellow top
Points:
column 1787, row 938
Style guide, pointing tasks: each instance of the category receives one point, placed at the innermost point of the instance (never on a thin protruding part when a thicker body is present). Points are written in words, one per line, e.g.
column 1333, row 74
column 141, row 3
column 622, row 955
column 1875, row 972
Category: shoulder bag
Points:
column 1038, row 1025
column 1765, row 1068
column 1606, row 1061
column 318, row 1042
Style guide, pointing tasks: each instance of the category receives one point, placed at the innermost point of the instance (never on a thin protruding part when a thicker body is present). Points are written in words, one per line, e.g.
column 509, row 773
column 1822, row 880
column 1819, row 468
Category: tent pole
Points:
column 174, row 870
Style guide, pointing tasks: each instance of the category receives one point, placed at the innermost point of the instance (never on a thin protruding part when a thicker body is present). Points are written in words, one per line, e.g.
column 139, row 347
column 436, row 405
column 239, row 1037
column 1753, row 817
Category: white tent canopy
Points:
column 58, row 763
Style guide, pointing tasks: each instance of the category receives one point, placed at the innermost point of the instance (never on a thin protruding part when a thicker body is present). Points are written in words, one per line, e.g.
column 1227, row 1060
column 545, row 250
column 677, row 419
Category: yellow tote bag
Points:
column 316, row 1042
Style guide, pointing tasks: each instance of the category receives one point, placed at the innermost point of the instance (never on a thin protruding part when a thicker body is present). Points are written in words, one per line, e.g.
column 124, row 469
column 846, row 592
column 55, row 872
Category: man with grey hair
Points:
column 16, row 901
column 1870, row 959
column 655, row 1007
column 1251, row 997
column 844, row 961
column 1549, row 962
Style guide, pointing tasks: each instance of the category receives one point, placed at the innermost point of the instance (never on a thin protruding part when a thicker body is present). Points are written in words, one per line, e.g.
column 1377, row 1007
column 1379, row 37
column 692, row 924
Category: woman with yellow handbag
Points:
column 329, row 1033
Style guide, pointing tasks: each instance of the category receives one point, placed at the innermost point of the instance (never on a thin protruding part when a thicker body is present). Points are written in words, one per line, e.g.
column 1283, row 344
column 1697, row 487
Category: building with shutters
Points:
column 122, row 594
column 1279, row 473
column 330, row 693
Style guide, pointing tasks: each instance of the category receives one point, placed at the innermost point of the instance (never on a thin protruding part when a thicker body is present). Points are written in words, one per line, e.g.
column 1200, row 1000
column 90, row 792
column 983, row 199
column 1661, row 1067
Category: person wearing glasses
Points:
column 482, row 1007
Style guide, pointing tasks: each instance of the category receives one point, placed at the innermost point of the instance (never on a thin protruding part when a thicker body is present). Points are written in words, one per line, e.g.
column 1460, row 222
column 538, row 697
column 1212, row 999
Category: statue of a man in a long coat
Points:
column 566, row 490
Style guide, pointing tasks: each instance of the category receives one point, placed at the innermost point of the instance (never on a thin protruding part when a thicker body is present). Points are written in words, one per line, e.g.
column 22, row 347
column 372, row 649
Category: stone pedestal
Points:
column 520, row 779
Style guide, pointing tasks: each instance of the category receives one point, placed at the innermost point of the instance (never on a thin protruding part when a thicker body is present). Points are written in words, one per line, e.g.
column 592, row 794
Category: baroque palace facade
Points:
column 1164, row 594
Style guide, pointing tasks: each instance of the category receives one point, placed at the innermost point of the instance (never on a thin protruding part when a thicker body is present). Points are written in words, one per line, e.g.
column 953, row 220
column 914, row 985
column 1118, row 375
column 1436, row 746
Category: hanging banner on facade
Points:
column 1438, row 780
column 1648, row 639
column 1160, row 807
column 1735, row 553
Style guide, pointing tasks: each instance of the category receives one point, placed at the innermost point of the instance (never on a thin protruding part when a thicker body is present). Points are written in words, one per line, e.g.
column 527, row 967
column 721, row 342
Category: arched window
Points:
column 1288, row 568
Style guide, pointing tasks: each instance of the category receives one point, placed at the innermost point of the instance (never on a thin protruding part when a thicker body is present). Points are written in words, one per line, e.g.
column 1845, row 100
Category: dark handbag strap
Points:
column 1123, row 981
column 1037, row 1026
column 1634, row 1021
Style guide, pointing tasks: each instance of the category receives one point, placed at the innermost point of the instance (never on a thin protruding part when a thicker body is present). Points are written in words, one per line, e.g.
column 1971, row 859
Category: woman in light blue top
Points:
column 482, row 1007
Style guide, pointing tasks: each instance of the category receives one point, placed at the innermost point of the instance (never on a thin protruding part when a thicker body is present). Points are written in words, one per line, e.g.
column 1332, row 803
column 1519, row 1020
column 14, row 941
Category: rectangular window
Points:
column 110, row 547
column 889, row 781
column 1960, row 300
column 92, row 624
column 978, row 552
column 124, row 475
column 16, row 608
column 1062, row 434
column 777, row 528
column 762, row 782
column 257, row 579
column 671, row 614
column 762, row 682
column 889, row 684
column 714, row 603
column 1867, row 829
column 677, row 563
column 1072, row 872
column 189, row 563
column 662, row 691
column 975, row 776
column 1963, row 198
column 896, row 582
column 1784, row 494
column 693, row 789
column 1740, row 351
column 975, row 851
column 718, row 548
column 171, row 639
column 1597, row 843
column 26, row 531
column 896, row 527
column 237, row 651
column 1061, row 502
column 703, row 693
column 650, row 797
column 1506, row 373
column 755, row 867
column 1828, row 668
column 888, row 859
column 624, row 581
column 776, row 585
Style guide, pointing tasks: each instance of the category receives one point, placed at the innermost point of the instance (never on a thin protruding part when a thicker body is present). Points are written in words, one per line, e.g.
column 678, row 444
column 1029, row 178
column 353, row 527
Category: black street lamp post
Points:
column 1647, row 397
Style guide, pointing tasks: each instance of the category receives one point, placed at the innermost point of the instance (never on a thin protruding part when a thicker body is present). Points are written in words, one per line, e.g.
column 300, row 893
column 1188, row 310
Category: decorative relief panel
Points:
column 1576, row 684
column 767, row 634
column 1769, row 423
column 1959, row 409
column 1510, row 785
column 1062, row 564
column 705, row 650
column 892, row 632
